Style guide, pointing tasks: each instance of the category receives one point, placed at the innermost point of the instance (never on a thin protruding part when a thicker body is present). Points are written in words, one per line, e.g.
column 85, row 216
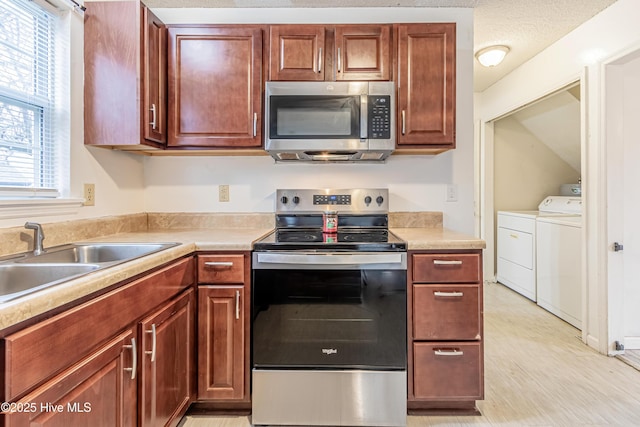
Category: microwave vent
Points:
column 288, row 156
column 372, row 156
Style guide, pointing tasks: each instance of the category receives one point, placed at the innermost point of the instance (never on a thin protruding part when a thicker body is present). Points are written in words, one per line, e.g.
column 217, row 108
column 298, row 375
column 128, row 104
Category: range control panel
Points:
column 369, row 200
column 332, row 199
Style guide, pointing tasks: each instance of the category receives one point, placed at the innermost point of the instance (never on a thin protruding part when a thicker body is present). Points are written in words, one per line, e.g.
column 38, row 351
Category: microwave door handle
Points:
column 363, row 116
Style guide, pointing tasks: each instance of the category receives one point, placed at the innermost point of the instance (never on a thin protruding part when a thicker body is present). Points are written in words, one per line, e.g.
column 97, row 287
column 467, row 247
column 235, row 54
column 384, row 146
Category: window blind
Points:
column 29, row 85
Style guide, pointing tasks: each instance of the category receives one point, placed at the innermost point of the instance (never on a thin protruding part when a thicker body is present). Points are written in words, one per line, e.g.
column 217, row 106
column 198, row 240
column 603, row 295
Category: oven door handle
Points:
column 340, row 259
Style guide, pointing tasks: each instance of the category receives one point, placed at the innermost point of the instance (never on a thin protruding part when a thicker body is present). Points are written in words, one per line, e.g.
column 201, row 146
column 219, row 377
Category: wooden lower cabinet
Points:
column 224, row 296
column 100, row 390
column 445, row 332
column 166, row 362
column 221, row 367
column 91, row 365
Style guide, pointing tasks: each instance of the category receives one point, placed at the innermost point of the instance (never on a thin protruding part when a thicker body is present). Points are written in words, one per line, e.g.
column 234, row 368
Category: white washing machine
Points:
column 559, row 266
column 517, row 242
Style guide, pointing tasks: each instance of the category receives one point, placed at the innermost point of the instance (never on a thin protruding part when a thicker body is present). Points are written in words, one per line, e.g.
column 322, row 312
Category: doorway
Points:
column 622, row 106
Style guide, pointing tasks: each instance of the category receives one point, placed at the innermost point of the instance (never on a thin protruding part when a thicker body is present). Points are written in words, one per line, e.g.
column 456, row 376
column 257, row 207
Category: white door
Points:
column 623, row 186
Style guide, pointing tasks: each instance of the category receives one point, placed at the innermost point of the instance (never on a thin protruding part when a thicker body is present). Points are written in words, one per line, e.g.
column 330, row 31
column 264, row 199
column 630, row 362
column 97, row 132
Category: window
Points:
column 32, row 129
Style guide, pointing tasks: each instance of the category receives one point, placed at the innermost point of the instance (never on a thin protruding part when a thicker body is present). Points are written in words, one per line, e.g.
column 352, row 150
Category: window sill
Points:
column 32, row 207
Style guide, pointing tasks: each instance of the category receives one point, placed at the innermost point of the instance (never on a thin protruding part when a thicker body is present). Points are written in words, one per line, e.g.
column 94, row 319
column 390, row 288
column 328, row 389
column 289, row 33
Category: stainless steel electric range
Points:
column 329, row 313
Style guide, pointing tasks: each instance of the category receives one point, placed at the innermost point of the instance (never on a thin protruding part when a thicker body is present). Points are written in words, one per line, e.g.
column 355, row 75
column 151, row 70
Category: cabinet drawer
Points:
column 447, row 371
column 446, row 268
column 446, row 312
column 221, row 268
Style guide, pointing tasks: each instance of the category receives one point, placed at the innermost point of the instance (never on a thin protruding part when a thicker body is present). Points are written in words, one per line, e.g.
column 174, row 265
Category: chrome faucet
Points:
column 38, row 237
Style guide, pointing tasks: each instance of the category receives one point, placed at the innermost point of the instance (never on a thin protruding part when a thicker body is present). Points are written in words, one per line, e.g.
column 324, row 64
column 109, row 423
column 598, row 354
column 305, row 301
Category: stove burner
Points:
column 366, row 239
column 293, row 236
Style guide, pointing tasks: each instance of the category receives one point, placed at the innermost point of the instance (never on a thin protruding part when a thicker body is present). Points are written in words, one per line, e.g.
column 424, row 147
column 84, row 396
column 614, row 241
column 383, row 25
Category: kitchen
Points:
column 129, row 184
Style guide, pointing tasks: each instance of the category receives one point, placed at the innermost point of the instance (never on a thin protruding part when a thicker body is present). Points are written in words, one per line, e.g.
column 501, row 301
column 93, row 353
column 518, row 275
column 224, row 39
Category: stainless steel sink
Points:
column 25, row 273
column 20, row 279
column 96, row 253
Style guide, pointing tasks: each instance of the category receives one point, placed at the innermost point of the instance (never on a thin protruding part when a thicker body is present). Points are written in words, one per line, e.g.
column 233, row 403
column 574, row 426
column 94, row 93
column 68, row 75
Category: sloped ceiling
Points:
column 555, row 121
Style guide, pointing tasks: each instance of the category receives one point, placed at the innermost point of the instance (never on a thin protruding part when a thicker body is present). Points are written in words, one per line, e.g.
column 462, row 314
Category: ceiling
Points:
column 526, row 26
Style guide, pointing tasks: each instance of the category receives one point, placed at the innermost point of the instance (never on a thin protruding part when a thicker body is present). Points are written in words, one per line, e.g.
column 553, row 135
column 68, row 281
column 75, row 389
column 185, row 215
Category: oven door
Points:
column 329, row 311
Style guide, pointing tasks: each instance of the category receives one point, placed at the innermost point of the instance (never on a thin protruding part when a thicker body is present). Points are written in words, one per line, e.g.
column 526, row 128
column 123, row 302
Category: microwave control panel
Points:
column 379, row 117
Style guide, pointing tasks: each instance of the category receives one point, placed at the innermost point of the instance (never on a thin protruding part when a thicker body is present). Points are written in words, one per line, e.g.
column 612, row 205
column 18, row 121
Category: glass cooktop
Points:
column 314, row 239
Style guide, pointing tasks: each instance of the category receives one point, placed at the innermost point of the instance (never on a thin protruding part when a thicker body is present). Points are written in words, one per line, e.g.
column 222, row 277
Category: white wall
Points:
column 415, row 182
column 582, row 51
column 118, row 177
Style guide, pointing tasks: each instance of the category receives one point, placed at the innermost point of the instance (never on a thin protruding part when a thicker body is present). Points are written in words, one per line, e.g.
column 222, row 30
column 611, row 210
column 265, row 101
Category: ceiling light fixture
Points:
column 492, row 55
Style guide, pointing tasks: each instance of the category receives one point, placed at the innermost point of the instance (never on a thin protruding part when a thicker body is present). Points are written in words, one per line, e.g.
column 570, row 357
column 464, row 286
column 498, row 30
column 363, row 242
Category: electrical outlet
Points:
column 223, row 193
column 89, row 194
column 452, row 193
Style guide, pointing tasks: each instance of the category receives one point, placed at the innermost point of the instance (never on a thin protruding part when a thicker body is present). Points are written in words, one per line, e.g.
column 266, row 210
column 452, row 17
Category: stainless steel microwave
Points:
column 330, row 121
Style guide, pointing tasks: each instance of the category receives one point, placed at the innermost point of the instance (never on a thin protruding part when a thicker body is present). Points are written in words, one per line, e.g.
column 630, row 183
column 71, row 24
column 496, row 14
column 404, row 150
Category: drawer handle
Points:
column 152, row 331
column 134, row 359
column 513, row 236
column 444, row 262
column 448, row 294
column 237, row 305
column 452, row 352
column 219, row 264
column 320, row 60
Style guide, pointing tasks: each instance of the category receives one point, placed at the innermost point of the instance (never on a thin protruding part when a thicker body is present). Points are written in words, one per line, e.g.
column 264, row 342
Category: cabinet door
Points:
column 363, row 52
column 100, row 390
column 155, row 62
column 297, row 52
column 426, row 85
column 167, row 339
column 215, row 86
column 222, row 335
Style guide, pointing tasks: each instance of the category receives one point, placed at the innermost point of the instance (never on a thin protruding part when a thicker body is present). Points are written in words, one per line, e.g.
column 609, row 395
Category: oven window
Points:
column 329, row 319
column 307, row 117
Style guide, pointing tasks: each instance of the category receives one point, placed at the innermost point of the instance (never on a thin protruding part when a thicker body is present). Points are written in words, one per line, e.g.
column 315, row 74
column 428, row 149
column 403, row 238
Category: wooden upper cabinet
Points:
column 297, row 52
column 363, row 52
column 426, row 85
column 328, row 53
column 215, row 86
column 124, row 76
column 155, row 84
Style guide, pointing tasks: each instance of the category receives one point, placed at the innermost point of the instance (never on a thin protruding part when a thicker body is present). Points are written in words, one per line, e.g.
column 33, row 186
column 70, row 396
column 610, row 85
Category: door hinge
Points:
column 617, row 247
